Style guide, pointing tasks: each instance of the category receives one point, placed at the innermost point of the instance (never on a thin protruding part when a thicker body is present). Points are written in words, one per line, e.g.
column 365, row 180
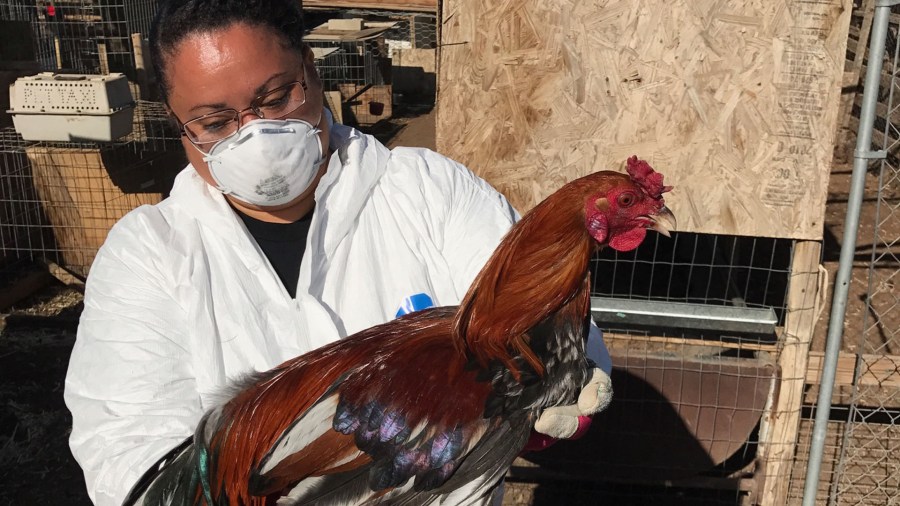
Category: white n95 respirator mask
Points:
column 267, row 162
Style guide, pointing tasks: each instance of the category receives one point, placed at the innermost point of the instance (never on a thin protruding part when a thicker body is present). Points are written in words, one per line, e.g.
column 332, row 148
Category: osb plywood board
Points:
column 734, row 101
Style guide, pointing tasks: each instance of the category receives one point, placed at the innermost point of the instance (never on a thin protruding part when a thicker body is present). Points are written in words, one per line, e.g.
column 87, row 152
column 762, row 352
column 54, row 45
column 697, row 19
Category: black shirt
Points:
column 283, row 244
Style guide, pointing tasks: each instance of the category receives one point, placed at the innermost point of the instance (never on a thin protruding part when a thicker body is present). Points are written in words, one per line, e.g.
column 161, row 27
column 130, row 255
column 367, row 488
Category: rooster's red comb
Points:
column 644, row 175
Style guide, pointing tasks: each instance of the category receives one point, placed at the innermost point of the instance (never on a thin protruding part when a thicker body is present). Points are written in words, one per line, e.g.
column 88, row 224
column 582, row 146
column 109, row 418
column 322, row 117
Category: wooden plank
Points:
column 779, row 426
column 855, row 68
column 389, row 5
column 320, row 53
column 353, row 24
column 81, row 199
column 877, row 370
column 612, row 337
column 366, row 105
column 58, row 52
column 65, row 276
column 735, row 102
column 103, row 57
column 335, row 104
column 323, row 33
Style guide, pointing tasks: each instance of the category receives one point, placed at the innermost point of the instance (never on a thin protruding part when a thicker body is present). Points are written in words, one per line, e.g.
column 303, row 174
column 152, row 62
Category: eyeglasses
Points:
column 215, row 126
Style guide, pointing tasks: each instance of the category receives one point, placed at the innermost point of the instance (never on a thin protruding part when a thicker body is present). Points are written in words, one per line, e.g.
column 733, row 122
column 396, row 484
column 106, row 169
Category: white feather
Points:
column 311, row 426
column 299, row 491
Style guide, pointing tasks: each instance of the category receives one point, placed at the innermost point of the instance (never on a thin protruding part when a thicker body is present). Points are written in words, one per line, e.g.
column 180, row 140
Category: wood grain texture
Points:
column 876, row 370
column 735, row 102
column 780, row 426
column 81, row 200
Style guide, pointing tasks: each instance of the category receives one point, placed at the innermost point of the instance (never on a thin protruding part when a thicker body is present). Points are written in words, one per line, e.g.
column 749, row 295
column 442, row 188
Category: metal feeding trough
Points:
column 680, row 315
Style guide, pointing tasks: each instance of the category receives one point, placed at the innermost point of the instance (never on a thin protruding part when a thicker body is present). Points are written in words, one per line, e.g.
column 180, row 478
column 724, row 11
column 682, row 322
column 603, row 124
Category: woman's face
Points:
column 229, row 68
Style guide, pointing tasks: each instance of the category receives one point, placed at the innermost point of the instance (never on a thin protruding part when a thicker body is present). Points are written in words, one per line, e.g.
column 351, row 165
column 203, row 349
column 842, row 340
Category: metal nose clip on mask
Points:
column 267, row 162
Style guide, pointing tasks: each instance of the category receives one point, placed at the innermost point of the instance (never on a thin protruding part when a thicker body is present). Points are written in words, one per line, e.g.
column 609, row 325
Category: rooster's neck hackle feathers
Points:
column 538, row 267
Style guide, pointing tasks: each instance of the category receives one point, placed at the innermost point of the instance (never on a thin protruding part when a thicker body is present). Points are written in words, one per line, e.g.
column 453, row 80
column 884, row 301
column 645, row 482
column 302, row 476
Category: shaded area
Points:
column 553, row 493
column 677, row 430
column 36, row 466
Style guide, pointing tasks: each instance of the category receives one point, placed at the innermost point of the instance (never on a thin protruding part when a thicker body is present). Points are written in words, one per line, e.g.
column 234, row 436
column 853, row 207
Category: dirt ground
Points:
column 35, row 464
column 37, row 335
column 865, row 330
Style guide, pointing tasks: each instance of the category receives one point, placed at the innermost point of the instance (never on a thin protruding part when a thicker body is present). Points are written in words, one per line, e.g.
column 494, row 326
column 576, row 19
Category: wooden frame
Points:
column 780, row 425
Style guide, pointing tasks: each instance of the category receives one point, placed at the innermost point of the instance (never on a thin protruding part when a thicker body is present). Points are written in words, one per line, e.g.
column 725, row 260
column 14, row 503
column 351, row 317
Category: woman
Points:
column 285, row 232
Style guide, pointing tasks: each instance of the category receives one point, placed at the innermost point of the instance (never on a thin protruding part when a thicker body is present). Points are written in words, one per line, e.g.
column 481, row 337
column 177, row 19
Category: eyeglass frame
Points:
column 182, row 125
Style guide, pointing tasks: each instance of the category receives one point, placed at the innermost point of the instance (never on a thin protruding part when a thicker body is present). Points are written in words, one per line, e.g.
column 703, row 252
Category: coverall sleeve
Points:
column 478, row 218
column 130, row 386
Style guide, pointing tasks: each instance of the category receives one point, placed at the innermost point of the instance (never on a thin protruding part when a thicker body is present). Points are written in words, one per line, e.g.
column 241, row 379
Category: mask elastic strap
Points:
column 209, row 158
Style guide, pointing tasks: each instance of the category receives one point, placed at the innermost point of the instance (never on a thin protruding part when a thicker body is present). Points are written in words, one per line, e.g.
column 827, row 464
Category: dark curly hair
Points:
column 176, row 19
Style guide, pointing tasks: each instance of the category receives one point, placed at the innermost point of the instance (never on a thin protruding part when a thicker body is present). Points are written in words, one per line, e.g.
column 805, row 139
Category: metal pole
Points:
column 861, row 159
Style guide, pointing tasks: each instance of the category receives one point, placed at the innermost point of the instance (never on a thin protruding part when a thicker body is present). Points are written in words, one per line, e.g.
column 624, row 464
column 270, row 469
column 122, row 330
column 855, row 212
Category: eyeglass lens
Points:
column 218, row 125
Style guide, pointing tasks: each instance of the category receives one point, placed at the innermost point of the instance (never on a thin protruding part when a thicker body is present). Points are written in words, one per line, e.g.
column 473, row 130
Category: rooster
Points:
column 414, row 409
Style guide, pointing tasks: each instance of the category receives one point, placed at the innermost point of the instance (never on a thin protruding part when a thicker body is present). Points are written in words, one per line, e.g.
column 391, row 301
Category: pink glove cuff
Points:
column 584, row 424
column 538, row 441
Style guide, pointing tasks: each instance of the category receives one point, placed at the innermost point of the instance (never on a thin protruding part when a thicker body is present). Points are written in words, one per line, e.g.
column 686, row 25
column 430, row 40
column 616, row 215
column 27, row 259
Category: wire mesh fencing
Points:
column 850, row 454
column 85, row 36
column 389, row 62
column 714, row 270
column 694, row 324
column 59, row 200
column 868, row 467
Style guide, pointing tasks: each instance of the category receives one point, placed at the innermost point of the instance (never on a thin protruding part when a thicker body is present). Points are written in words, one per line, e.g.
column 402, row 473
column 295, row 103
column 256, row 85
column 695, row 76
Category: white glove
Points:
column 561, row 422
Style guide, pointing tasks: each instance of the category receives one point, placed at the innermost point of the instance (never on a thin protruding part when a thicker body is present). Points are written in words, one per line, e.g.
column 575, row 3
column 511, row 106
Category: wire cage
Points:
column 860, row 439
column 357, row 63
column 59, row 200
column 390, row 62
column 84, row 36
column 692, row 323
column 412, row 46
column 715, row 270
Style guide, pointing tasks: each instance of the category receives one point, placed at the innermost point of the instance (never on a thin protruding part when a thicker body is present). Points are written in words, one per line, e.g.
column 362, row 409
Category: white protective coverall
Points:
column 181, row 301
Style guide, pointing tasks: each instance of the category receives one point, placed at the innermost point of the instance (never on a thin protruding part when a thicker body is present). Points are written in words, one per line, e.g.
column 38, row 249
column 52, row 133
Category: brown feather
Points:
column 537, row 267
column 421, row 362
column 261, row 413
column 322, row 456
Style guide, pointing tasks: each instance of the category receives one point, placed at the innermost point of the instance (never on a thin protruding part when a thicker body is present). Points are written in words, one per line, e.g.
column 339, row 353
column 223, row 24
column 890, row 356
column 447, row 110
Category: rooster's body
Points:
column 410, row 411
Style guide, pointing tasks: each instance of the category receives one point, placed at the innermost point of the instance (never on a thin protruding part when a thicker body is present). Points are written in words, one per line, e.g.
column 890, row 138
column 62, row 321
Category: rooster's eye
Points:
column 626, row 199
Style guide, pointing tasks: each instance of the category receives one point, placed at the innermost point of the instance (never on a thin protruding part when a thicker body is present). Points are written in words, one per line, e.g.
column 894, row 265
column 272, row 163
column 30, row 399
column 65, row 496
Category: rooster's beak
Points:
column 664, row 221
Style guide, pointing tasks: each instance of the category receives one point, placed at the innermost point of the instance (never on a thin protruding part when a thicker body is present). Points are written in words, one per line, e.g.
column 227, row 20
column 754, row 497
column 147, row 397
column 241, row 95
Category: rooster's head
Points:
column 623, row 207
